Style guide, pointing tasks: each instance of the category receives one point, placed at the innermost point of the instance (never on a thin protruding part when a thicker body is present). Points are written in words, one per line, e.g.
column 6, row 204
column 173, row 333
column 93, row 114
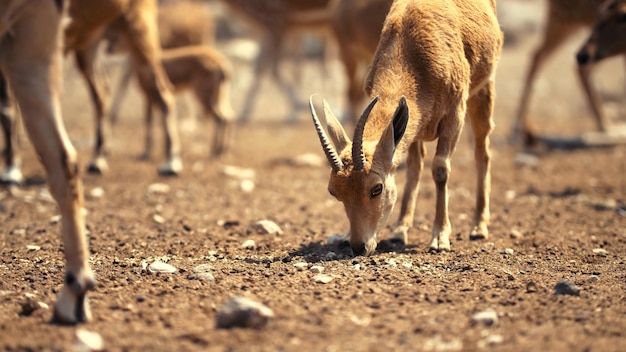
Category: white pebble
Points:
column 515, row 234
column 318, row 269
column 54, row 219
column 160, row 267
column 158, row 218
column 88, row 340
column 600, row 251
column 488, row 317
column 32, row 247
column 267, row 227
column 243, row 312
column 510, row 195
column 158, row 188
column 249, row 244
column 96, row 192
column 509, row 251
column 322, row 279
column 246, row 186
column 301, row 266
column 238, row 172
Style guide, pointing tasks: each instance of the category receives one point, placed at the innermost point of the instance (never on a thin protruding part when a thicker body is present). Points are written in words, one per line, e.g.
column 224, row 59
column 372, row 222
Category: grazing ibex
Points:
column 137, row 19
column 607, row 36
column 31, row 62
column 564, row 18
column 435, row 61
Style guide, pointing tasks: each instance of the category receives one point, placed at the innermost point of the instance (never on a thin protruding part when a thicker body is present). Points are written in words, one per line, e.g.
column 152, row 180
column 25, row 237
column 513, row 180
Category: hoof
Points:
column 440, row 244
column 98, row 167
column 72, row 304
column 12, row 176
column 478, row 234
column 171, row 167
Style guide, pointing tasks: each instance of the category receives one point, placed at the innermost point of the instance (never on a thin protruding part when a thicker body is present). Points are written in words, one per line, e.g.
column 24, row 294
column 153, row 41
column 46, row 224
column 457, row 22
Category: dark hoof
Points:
column 94, row 170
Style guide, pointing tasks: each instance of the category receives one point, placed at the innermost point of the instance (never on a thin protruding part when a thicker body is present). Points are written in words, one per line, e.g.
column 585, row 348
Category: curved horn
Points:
column 358, row 157
column 329, row 150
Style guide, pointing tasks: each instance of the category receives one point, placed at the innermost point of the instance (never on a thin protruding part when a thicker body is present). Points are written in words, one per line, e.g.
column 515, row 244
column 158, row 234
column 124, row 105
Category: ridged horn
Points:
column 358, row 157
column 329, row 149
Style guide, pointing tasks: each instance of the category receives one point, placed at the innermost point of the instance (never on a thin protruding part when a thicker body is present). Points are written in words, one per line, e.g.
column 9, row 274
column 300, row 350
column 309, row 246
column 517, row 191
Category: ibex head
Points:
column 607, row 36
column 362, row 175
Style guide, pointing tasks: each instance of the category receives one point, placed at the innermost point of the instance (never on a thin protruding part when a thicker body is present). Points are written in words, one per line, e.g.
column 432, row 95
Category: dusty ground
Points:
column 547, row 219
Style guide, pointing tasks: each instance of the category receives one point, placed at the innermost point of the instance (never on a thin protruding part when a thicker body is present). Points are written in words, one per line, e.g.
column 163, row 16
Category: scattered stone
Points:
column 45, row 195
column 246, row 186
column 600, row 251
column 55, row 219
column 509, row 251
column 202, row 272
column 357, row 266
column 525, row 159
column 88, row 341
column 267, row 227
column 437, row 343
column 96, row 192
column 249, row 244
column 32, row 247
column 301, row 266
column 318, row 269
column 243, row 312
column 238, row 172
column 488, row 317
column 565, row 287
column 19, row 232
column 160, row 267
column 490, row 340
column 515, row 234
column 322, row 278
column 531, row 287
column 510, row 195
column 593, row 278
column 158, row 188
column 31, row 305
column 158, row 218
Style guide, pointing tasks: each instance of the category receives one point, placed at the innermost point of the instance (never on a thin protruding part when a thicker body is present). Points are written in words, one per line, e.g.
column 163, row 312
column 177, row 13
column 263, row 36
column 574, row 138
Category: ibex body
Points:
column 435, row 62
column 31, row 61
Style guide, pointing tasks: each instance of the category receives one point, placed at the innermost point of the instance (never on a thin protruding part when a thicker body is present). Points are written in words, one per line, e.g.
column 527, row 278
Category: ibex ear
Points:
column 394, row 133
column 335, row 130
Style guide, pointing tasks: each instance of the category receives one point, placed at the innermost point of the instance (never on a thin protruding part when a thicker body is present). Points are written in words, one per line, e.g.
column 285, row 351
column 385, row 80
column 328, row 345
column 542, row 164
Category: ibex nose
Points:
column 583, row 57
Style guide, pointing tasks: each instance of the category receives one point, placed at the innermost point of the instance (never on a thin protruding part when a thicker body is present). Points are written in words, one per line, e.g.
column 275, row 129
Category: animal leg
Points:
column 12, row 173
column 593, row 100
column 261, row 69
column 480, row 110
column 85, row 59
column 120, row 92
column 415, row 165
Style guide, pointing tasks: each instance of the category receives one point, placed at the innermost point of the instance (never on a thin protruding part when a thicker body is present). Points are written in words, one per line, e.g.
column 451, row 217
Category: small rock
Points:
column 490, row 340
column 202, row 268
column 322, row 279
column 32, row 247
column 510, row 195
column 21, row 232
column 158, row 218
column 267, row 227
column 160, row 267
column 246, row 186
column 525, row 159
column 201, row 277
column 565, row 287
column 531, row 287
column 243, row 312
column 30, row 306
column 515, row 234
column 509, row 251
column 593, row 278
column 437, row 343
column 330, row 255
column 158, row 188
column 96, row 192
column 318, row 269
column 488, row 317
column 249, row 244
column 88, row 341
column 600, row 251
column 238, row 172
column 54, row 219
column 301, row 266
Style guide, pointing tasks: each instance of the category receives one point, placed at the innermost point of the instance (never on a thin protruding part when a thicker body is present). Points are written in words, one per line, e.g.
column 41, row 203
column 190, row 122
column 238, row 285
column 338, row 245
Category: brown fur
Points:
column 565, row 17
column 31, row 61
column 607, row 36
column 444, row 65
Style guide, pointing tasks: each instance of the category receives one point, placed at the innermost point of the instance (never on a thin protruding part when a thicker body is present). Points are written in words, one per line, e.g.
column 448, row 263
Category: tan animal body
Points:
column 435, row 62
column 31, row 61
column 207, row 73
column 137, row 20
column 565, row 18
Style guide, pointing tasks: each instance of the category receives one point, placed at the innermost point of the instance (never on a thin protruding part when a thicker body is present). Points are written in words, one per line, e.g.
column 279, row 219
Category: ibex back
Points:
column 435, row 61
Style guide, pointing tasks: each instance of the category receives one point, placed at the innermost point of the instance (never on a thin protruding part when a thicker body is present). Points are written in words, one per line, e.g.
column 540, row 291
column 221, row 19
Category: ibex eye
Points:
column 377, row 190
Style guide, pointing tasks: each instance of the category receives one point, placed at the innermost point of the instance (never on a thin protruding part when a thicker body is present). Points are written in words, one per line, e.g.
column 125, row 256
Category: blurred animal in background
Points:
column 427, row 73
column 31, row 62
column 180, row 23
column 564, row 18
column 137, row 20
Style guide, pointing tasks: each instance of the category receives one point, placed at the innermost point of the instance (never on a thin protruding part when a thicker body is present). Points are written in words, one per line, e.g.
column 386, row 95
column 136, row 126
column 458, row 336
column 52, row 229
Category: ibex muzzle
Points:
column 362, row 175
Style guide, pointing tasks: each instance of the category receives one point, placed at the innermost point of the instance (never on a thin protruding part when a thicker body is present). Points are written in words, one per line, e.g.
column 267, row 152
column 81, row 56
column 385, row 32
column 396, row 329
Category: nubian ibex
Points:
column 31, row 62
column 435, row 62
column 607, row 36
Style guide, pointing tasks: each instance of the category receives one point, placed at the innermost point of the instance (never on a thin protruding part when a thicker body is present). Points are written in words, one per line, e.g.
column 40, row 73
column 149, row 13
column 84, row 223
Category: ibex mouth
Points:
column 364, row 249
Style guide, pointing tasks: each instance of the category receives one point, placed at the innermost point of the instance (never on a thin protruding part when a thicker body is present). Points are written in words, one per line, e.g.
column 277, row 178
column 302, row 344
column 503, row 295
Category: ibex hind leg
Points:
column 480, row 111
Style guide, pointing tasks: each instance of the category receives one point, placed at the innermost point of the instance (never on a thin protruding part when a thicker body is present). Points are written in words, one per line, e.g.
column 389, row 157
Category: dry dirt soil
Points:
column 561, row 216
